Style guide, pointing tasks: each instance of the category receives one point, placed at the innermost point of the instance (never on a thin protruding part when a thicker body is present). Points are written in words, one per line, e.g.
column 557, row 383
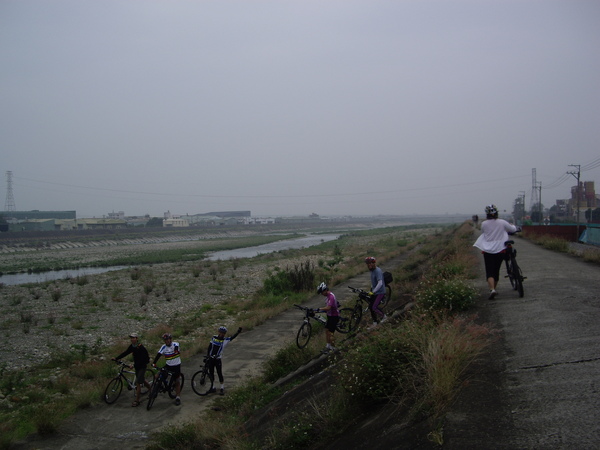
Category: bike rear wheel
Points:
column 388, row 297
column 518, row 278
column 203, row 381
column 345, row 321
column 113, row 390
column 172, row 392
column 303, row 336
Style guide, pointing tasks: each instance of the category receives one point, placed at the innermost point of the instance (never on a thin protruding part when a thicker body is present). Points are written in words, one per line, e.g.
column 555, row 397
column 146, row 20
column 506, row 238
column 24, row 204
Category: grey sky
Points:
column 294, row 107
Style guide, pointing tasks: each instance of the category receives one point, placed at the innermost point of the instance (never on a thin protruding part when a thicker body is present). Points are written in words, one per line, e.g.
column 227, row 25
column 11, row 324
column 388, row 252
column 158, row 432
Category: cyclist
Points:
column 214, row 354
column 171, row 352
column 377, row 291
column 494, row 233
column 333, row 316
column 141, row 358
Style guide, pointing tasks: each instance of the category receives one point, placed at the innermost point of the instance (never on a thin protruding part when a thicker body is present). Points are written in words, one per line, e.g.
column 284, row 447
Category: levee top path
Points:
column 119, row 425
column 539, row 385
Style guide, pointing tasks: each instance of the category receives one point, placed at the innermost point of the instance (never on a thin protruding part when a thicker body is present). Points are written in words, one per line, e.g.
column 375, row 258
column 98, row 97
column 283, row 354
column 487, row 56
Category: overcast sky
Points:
column 291, row 107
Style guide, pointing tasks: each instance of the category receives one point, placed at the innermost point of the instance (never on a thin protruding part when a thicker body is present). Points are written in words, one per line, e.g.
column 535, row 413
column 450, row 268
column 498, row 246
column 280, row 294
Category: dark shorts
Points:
column 140, row 375
column 175, row 370
column 332, row 322
column 493, row 263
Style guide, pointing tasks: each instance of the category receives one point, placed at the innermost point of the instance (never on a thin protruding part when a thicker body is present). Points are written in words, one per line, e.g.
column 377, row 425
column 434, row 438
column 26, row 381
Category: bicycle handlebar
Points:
column 362, row 294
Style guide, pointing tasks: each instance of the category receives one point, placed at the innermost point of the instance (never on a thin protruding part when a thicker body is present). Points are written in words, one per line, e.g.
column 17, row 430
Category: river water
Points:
column 248, row 252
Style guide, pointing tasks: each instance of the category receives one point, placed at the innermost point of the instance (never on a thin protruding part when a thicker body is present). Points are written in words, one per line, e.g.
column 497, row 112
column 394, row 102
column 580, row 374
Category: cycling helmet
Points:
column 222, row 329
column 491, row 210
column 322, row 288
column 167, row 336
column 369, row 260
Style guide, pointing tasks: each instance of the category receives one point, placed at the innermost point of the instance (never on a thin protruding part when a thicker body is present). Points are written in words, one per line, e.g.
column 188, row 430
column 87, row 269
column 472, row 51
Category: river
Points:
column 248, row 252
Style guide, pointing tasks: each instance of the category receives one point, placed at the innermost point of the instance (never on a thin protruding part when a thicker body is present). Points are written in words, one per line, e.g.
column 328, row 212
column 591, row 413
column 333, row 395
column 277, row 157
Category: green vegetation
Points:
column 418, row 364
column 432, row 352
column 135, row 258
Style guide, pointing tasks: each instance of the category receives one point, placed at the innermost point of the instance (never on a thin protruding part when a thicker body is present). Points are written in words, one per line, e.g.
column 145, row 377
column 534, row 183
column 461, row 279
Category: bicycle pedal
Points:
column 129, row 388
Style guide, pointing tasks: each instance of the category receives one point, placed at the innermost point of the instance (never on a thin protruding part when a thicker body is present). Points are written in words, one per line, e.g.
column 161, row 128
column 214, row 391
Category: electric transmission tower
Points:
column 9, row 204
column 534, row 190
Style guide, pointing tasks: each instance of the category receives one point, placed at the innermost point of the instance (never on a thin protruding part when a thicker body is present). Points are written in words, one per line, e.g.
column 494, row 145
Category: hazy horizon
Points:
column 395, row 107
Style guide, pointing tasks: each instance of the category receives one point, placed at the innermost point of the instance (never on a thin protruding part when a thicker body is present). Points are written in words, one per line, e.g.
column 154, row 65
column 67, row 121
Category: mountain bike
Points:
column 363, row 302
column 203, row 380
column 513, row 271
column 305, row 330
column 164, row 382
column 127, row 377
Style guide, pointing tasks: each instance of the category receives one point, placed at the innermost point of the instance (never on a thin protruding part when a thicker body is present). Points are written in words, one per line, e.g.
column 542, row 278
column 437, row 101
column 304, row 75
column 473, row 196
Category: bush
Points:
column 445, row 294
column 299, row 279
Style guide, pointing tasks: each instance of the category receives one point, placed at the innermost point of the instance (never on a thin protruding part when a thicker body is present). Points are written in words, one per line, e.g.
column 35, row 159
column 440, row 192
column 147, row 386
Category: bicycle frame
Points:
column 513, row 271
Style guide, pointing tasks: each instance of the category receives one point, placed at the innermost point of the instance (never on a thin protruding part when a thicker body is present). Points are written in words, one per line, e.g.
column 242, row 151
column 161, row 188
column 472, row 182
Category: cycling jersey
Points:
column 216, row 346
column 171, row 354
column 377, row 284
column 331, row 301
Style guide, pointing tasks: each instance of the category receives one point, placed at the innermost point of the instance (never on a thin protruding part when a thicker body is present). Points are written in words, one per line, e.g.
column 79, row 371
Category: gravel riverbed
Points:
column 82, row 314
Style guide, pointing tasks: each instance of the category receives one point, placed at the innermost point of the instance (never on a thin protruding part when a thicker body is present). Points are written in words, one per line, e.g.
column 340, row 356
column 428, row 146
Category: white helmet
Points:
column 322, row 288
column 491, row 209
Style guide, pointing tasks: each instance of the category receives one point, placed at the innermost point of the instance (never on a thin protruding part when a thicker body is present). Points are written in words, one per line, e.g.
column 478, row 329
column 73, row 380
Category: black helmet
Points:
column 167, row 336
column 322, row 288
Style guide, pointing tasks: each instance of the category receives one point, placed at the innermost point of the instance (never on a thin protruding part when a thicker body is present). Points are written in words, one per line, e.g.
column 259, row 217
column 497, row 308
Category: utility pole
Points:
column 576, row 175
column 523, row 204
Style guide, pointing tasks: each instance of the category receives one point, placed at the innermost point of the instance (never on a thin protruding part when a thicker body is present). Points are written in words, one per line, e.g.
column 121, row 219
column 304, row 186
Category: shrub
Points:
column 440, row 294
column 300, row 278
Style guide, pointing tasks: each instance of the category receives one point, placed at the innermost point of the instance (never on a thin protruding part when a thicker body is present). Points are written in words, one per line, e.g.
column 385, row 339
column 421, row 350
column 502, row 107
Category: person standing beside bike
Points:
column 215, row 352
column 141, row 358
column 333, row 316
column 171, row 352
column 377, row 291
column 494, row 233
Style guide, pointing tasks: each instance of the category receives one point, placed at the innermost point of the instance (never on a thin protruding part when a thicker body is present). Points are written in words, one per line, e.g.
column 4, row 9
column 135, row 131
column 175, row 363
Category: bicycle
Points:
column 513, row 271
column 115, row 386
column 203, row 380
column 360, row 308
column 164, row 382
column 305, row 330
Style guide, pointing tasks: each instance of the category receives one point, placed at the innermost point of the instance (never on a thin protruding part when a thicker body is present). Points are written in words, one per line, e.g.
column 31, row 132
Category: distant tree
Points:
column 592, row 215
column 155, row 222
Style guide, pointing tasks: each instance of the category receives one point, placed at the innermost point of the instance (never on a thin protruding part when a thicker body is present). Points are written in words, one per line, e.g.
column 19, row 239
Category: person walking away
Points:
column 214, row 354
column 333, row 316
column 141, row 358
column 171, row 352
column 494, row 233
column 377, row 291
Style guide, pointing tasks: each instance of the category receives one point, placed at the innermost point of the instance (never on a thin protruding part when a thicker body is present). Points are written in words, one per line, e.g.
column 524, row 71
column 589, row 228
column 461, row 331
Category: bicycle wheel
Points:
column 202, row 381
column 148, row 378
column 113, row 390
column 172, row 392
column 345, row 321
column 304, row 335
column 153, row 394
column 388, row 296
column 518, row 277
column 510, row 274
column 357, row 313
